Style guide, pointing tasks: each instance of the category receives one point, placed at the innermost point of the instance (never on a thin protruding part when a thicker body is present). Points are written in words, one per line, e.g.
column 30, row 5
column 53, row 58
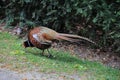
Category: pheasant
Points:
column 42, row 38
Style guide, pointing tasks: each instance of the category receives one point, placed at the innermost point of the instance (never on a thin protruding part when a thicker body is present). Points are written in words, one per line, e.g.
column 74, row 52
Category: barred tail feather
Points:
column 75, row 37
column 67, row 39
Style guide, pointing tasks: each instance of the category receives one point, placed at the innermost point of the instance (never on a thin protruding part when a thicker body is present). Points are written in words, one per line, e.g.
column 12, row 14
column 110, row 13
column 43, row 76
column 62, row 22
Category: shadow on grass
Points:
column 60, row 56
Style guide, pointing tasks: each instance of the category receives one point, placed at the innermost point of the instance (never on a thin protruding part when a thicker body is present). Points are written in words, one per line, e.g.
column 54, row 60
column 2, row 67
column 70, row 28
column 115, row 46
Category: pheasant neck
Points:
column 29, row 44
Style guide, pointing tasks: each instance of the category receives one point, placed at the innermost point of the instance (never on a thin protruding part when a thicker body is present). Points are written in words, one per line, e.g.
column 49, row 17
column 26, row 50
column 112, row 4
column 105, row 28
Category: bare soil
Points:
column 85, row 52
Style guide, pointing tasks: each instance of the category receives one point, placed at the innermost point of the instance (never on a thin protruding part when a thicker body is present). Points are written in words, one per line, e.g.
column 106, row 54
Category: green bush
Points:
column 96, row 19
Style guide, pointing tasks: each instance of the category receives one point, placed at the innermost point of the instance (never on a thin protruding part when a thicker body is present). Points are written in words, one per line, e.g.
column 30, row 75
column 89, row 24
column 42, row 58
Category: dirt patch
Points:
column 84, row 52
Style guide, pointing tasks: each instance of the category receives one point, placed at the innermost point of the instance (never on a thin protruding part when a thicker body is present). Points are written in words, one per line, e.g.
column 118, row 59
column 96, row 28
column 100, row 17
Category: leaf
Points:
column 27, row 1
column 33, row 15
column 90, row 7
column 69, row 9
column 94, row 20
column 79, row 10
column 51, row 12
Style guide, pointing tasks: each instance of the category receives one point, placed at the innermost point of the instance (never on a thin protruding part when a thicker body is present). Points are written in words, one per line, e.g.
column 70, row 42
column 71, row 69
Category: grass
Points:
column 14, row 56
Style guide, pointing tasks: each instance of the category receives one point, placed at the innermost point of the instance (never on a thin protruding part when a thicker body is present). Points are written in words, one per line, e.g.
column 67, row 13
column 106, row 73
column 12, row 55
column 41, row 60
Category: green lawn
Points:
column 16, row 57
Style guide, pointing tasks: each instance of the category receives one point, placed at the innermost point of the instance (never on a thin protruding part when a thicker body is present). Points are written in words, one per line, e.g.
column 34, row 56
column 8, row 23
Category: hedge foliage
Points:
column 96, row 19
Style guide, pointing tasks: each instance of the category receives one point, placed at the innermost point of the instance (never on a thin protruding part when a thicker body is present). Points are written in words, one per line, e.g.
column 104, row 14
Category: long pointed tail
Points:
column 73, row 38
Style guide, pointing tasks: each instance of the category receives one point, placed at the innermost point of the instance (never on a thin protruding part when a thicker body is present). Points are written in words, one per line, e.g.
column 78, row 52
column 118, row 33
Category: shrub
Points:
column 96, row 19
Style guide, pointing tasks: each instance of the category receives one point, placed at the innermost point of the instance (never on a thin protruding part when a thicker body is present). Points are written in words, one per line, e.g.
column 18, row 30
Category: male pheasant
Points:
column 42, row 38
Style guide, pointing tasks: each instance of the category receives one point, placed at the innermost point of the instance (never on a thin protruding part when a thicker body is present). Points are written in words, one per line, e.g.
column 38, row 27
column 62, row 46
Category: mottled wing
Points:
column 40, row 38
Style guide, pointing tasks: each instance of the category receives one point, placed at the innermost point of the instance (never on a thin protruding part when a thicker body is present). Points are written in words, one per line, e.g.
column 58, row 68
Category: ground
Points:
column 64, row 66
column 107, row 58
column 34, row 75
